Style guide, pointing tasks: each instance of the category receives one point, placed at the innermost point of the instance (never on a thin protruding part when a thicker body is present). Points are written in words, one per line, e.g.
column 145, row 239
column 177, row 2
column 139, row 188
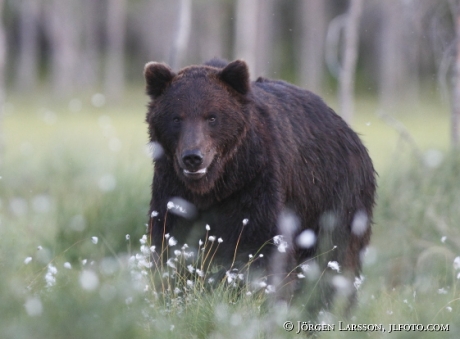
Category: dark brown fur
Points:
column 267, row 146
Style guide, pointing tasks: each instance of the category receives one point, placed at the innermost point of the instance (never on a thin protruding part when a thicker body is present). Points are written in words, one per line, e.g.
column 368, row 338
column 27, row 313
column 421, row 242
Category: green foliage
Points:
column 65, row 179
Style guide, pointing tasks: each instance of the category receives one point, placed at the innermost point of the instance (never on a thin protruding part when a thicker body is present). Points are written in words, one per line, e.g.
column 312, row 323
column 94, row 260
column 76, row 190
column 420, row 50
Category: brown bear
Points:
column 268, row 166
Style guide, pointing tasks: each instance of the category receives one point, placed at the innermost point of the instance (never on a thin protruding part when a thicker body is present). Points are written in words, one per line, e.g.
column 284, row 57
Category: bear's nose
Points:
column 192, row 158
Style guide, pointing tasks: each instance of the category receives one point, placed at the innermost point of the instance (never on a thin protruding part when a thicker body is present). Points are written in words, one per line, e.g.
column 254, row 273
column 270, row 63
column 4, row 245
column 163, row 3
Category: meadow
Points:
column 74, row 196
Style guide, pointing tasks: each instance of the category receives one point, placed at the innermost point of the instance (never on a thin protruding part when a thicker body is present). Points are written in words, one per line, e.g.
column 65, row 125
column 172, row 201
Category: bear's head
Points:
column 199, row 116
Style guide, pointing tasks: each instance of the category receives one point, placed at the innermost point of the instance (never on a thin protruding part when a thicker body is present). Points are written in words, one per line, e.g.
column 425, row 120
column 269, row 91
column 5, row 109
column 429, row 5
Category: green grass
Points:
column 69, row 176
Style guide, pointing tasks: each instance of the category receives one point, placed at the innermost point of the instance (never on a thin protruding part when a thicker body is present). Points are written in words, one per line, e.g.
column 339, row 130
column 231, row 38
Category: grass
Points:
column 71, row 174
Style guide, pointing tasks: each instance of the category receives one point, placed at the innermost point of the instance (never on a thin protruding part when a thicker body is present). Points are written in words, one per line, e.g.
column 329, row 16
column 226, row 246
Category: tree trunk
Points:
column 312, row 18
column 2, row 80
column 455, row 118
column 264, row 39
column 182, row 34
column 350, row 56
column 62, row 30
column 210, row 32
column 246, row 32
column 116, row 27
column 90, row 68
column 28, row 54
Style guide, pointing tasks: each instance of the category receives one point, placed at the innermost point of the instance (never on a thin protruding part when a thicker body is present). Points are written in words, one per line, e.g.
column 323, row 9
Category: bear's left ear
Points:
column 236, row 75
column 157, row 76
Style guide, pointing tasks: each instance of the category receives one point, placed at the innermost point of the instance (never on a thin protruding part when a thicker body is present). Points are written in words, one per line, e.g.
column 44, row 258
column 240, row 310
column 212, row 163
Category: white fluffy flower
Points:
column 27, row 260
column 172, row 241
column 94, row 240
column 334, row 265
column 457, row 263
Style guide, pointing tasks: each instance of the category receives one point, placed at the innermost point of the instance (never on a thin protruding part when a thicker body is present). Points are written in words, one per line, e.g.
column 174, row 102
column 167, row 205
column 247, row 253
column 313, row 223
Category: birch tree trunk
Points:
column 350, row 57
column 116, row 27
column 90, row 70
column 246, row 32
column 264, row 39
column 2, row 80
column 28, row 56
column 455, row 117
column 312, row 17
column 62, row 30
column 182, row 34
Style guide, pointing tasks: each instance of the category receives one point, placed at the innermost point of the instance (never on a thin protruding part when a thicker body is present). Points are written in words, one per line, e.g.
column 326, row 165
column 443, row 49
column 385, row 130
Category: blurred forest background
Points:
column 405, row 46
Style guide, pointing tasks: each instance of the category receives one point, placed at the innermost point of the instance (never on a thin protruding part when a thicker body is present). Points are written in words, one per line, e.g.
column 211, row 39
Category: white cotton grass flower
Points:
column 200, row 273
column 143, row 240
column 89, row 280
column 170, row 263
column 208, row 228
column 170, row 205
column 127, row 237
column 211, row 238
column 230, row 276
column 360, row 223
column 200, row 242
column 306, row 239
column 50, row 276
column 189, row 283
column 334, row 265
column 457, row 263
column 443, row 239
column 39, row 248
column 358, row 282
column 154, row 214
column 27, row 260
column 449, row 309
column 270, row 289
column 172, row 242
column 94, row 240
column 167, row 236
column 33, row 306
column 177, row 253
column 84, row 261
column 220, row 240
column 245, row 221
column 190, row 268
column 280, row 243
column 67, row 265
column 300, row 275
column 145, row 250
column 211, row 280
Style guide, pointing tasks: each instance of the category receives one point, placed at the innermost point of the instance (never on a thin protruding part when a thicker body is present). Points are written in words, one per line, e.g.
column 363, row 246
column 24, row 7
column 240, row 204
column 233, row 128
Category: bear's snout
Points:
column 192, row 159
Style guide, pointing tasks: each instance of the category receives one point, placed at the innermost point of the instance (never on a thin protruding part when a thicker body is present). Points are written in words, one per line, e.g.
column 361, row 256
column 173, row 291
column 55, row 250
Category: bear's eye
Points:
column 176, row 120
column 212, row 118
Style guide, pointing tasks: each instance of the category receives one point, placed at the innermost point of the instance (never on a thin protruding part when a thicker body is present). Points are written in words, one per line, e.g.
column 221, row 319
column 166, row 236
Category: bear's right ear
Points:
column 157, row 76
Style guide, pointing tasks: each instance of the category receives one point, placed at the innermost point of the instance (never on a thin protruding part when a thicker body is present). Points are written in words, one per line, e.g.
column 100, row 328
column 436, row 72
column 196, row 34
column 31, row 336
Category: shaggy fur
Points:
column 264, row 147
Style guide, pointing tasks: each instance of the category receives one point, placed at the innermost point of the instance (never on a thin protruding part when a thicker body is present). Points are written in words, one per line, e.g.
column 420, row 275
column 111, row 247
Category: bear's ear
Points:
column 236, row 75
column 157, row 76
